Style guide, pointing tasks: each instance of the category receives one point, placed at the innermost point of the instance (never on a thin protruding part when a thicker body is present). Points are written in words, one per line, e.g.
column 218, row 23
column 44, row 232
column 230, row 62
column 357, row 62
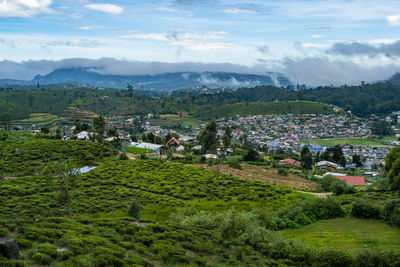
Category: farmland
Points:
column 348, row 233
column 27, row 154
column 41, row 119
column 349, row 141
column 256, row 173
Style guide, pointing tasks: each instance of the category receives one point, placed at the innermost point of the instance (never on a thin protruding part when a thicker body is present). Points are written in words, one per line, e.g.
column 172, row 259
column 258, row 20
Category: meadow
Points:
column 348, row 233
column 349, row 141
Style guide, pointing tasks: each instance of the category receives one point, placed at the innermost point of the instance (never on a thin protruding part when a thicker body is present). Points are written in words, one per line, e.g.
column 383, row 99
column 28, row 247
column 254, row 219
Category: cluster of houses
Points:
column 285, row 131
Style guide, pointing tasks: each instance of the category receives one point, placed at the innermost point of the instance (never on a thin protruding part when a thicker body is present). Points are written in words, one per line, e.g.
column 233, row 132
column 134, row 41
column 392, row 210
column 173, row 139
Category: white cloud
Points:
column 316, row 36
column 107, row 8
column 394, row 20
column 167, row 9
column 24, row 8
column 236, row 10
column 92, row 27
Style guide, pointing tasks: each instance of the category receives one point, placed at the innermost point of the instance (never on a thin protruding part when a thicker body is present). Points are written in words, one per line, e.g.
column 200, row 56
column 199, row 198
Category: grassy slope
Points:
column 262, row 108
column 350, row 141
column 348, row 232
column 41, row 119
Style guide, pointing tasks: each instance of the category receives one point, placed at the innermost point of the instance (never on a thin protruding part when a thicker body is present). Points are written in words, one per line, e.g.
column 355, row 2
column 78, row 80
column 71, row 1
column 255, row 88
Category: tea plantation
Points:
column 190, row 217
column 26, row 154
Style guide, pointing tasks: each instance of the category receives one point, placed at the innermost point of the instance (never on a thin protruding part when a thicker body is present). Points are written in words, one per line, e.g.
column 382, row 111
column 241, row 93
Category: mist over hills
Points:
column 173, row 80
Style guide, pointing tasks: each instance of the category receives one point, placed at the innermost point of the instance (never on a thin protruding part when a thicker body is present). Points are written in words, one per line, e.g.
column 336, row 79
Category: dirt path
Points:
column 260, row 174
column 320, row 195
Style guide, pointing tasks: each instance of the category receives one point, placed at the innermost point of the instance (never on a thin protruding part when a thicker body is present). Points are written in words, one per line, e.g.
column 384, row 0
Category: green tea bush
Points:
column 364, row 208
column 3, row 232
column 391, row 213
column 135, row 209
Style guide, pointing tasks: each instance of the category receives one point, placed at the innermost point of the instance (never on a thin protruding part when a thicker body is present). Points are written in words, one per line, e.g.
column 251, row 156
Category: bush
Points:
column 283, row 172
column 24, row 243
column 391, row 213
column 134, row 209
column 364, row 208
column 41, row 258
column 234, row 163
column 123, row 156
column 3, row 232
column 332, row 184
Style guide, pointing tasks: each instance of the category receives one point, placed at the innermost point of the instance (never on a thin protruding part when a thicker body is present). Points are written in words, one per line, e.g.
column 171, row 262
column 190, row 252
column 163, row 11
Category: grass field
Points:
column 348, row 232
column 350, row 141
column 256, row 173
column 41, row 119
column 138, row 150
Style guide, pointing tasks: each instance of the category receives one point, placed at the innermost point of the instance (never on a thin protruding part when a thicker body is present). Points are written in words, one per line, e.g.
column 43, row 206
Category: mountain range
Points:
column 175, row 80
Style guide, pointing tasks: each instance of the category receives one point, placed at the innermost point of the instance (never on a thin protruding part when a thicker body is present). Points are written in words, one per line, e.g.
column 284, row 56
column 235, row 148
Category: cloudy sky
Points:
column 312, row 42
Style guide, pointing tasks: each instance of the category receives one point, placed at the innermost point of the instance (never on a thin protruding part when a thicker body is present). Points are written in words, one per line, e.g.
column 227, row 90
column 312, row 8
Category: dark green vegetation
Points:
column 363, row 100
column 263, row 108
column 26, row 154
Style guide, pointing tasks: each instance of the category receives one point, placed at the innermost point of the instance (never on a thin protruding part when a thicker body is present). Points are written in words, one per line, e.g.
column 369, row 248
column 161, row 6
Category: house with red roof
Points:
column 290, row 162
column 352, row 180
column 173, row 142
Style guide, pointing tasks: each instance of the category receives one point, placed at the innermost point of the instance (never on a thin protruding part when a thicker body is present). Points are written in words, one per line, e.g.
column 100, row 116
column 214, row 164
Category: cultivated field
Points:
column 348, row 233
column 41, row 119
column 256, row 173
column 350, row 141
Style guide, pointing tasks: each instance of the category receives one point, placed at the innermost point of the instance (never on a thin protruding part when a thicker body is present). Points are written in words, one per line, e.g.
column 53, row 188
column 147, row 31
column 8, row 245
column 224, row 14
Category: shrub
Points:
column 123, row 156
column 363, row 208
column 283, row 172
column 3, row 232
column 332, row 184
column 41, row 258
column 391, row 213
column 234, row 163
column 24, row 243
column 47, row 249
column 134, row 209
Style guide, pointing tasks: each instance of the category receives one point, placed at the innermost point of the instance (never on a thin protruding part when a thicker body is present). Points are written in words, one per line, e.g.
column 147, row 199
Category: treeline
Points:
column 362, row 100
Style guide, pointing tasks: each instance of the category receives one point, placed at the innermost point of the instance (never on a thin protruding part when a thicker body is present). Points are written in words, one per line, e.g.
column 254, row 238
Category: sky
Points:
column 312, row 42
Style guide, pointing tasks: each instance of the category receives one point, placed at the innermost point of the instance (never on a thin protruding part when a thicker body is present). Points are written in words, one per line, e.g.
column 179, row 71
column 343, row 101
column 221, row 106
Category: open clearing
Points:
column 350, row 141
column 41, row 119
column 348, row 232
column 269, row 176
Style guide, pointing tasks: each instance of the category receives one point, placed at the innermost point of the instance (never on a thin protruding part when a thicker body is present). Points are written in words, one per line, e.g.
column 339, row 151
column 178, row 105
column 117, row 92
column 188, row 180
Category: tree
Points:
column 129, row 90
column 68, row 177
column 392, row 167
column 306, row 158
column 251, row 155
column 208, row 138
column 357, row 160
column 99, row 125
column 45, row 130
column 227, row 137
column 6, row 120
column 135, row 209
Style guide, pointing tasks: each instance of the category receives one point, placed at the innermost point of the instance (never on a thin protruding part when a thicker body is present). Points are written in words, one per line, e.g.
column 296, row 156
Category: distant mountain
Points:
column 176, row 80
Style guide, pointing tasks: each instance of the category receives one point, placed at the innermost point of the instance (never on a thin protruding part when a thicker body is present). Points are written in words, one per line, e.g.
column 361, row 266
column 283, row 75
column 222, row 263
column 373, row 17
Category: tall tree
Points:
column 306, row 158
column 227, row 137
column 6, row 120
column 208, row 138
column 99, row 125
column 357, row 160
column 68, row 177
column 392, row 167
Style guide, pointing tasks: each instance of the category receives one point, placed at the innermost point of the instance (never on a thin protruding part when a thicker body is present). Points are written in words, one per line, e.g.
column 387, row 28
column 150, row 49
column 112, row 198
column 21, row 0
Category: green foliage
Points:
column 364, row 208
column 138, row 150
column 135, row 209
column 251, row 155
column 208, row 138
column 123, row 156
column 26, row 155
column 392, row 167
column 391, row 213
column 234, row 163
column 332, row 184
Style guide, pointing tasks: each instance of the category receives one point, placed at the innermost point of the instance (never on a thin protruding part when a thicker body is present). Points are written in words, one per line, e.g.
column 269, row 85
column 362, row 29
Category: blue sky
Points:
column 313, row 42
